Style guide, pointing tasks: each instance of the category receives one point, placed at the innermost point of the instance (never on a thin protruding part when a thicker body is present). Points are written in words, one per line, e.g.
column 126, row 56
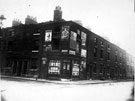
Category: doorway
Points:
column 66, row 70
column 19, row 68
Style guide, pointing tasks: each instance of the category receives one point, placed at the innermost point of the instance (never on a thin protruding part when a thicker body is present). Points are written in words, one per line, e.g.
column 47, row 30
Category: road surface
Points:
column 41, row 91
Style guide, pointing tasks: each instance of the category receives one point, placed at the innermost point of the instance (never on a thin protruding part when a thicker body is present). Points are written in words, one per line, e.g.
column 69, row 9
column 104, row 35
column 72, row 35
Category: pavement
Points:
column 62, row 81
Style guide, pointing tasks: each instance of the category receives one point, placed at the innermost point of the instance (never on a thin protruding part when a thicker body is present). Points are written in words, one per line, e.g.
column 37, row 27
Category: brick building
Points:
column 60, row 49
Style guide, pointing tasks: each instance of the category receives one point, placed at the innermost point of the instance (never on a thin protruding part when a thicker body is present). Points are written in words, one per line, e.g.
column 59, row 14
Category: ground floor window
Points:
column 33, row 71
column 75, row 68
column 54, row 67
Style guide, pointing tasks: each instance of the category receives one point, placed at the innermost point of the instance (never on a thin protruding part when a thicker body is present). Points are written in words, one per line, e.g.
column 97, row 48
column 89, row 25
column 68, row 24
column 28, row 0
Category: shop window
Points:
column 34, row 63
column 8, row 63
column 54, row 67
column 83, row 63
column 75, row 70
column 68, row 66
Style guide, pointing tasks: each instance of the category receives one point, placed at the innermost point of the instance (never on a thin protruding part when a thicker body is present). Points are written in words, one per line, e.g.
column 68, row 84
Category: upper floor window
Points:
column 108, row 55
column 120, row 57
column 11, row 33
column 108, row 48
column 116, row 52
column 95, row 40
column 35, row 45
column 102, row 44
column 95, row 51
column 101, row 53
column 57, row 29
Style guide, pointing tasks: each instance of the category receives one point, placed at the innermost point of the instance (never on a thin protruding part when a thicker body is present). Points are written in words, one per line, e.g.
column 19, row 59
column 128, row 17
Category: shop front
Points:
column 66, row 69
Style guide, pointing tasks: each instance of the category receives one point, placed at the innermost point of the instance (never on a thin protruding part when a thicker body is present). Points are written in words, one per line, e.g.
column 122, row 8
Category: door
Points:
column 24, row 69
column 14, row 68
column 19, row 68
column 90, row 71
column 66, row 70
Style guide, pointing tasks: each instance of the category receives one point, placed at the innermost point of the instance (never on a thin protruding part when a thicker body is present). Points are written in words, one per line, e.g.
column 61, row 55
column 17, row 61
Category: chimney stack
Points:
column 30, row 20
column 16, row 22
column 57, row 14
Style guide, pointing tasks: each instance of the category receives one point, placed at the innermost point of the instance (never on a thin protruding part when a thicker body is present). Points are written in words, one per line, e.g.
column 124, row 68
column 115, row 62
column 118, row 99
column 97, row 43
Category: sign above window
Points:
column 71, row 52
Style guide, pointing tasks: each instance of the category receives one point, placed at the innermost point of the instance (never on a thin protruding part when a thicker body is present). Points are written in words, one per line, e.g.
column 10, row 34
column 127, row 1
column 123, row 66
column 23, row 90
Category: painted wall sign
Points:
column 65, row 32
column 48, row 35
column 73, row 36
column 75, row 71
column 71, row 52
column 83, row 53
column 64, row 50
column 83, row 37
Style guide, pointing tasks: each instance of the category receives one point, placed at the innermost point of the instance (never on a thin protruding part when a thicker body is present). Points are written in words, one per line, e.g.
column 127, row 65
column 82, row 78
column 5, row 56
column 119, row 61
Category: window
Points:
column 78, row 47
column 95, row 51
column 120, row 57
column 101, row 68
column 102, row 44
column 116, row 56
column 55, row 43
column 108, row 55
column 108, row 47
column 57, row 29
column 11, row 33
column 10, row 45
column 95, row 40
column 34, row 63
column 54, row 67
column 101, row 53
column 35, row 45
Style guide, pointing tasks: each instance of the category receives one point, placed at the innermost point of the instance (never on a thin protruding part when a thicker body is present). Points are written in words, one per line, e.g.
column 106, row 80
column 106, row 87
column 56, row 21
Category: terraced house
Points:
column 60, row 49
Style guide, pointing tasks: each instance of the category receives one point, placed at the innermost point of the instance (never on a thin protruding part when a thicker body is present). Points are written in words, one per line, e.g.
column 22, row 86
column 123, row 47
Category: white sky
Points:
column 114, row 19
